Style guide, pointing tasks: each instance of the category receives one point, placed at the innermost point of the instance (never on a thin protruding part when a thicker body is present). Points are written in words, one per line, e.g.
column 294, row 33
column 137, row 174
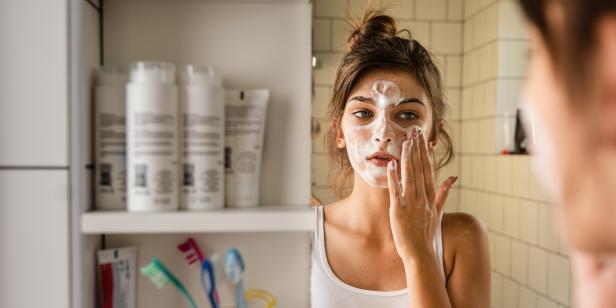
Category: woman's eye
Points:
column 407, row 115
column 363, row 114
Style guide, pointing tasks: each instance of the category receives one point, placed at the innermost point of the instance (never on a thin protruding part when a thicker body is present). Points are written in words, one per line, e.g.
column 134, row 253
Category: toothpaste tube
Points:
column 118, row 277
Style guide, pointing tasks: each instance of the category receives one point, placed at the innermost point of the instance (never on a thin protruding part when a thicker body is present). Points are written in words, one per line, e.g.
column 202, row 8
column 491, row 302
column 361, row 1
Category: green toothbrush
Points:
column 160, row 276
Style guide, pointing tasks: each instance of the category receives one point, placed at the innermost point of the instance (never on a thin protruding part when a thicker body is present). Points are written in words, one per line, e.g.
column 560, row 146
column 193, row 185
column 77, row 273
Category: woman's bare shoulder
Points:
column 462, row 225
column 462, row 233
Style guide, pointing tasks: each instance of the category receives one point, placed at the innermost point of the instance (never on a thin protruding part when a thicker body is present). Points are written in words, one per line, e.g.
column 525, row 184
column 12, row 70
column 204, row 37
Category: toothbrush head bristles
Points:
column 191, row 251
column 153, row 271
column 160, row 276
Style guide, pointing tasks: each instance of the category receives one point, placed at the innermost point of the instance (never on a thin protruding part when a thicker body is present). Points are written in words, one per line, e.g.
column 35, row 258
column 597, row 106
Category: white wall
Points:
column 33, row 83
column 34, row 206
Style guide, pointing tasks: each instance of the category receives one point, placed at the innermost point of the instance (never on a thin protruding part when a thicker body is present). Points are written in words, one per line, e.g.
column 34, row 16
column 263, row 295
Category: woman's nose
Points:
column 382, row 139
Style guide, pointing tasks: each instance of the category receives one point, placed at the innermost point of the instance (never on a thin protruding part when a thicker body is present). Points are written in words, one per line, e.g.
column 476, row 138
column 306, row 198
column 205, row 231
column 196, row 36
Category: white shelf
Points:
column 256, row 219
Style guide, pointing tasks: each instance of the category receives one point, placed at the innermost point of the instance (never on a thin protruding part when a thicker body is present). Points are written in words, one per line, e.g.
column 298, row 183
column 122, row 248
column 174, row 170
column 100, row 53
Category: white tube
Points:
column 244, row 130
column 202, row 110
column 117, row 271
column 110, row 139
column 152, row 131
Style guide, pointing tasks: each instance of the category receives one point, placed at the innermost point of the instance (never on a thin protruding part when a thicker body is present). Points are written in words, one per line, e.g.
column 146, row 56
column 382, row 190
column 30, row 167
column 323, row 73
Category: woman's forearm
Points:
column 426, row 287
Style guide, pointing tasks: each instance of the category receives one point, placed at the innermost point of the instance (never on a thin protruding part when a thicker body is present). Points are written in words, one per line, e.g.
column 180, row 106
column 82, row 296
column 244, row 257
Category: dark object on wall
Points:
column 521, row 138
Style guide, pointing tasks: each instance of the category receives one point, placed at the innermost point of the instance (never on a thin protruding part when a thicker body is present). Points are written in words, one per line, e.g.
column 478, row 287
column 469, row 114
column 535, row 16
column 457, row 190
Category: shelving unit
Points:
column 255, row 44
column 258, row 219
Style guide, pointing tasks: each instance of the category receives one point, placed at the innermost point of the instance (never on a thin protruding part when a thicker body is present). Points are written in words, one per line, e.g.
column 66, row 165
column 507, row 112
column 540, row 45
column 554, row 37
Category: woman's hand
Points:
column 415, row 208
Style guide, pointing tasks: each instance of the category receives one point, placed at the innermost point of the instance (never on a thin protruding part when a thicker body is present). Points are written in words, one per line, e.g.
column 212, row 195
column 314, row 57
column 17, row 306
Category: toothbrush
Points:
column 234, row 266
column 193, row 254
column 191, row 251
column 160, row 276
column 208, row 282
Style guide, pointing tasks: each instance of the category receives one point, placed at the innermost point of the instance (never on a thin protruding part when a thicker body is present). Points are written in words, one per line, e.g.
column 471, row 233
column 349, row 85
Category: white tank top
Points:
column 328, row 291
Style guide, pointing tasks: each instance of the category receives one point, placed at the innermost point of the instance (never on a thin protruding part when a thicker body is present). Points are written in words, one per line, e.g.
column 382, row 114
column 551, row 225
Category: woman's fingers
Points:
column 417, row 167
column 394, row 184
column 406, row 169
column 428, row 175
column 443, row 193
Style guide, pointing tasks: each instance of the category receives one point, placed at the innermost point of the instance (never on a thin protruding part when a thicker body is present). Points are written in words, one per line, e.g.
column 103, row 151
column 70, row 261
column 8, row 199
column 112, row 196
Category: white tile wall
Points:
column 508, row 96
column 455, row 10
column 548, row 231
column 544, row 302
column 519, row 262
column 558, row 278
column 512, row 59
column 511, row 21
column 496, row 290
column 318, row 141
column 320, row 101
column 496, row 221
column 446, row 37
column 527, row 298
column 320, row 175
column 502, row 254
column 321, row 34
column 325, row 71
column 329, row 8
column 512, row 217
column 431, row 9
column 529, row 215
column 537, row 269
column 510, row 294
column 340, row 33
column 454, row 70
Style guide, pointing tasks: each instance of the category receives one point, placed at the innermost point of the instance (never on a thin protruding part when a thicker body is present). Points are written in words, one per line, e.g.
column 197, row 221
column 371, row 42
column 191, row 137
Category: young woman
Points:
column 388, row 243
column 571, row 99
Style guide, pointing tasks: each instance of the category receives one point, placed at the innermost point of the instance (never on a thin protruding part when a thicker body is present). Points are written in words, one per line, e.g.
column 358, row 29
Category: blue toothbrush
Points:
column 234, row 267
column 208, row 281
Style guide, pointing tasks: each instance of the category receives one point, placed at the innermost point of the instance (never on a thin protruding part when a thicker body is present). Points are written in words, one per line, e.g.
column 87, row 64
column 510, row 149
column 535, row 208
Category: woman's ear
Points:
column 438, row 127
column 340, row 142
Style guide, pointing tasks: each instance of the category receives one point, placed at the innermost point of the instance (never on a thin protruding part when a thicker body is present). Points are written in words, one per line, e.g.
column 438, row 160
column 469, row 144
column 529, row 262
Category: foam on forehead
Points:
column 385, row 93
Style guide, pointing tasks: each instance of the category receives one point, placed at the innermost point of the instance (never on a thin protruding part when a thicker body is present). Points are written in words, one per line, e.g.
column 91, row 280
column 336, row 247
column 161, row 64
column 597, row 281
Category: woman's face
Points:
column 575, row 141
column 379, row 114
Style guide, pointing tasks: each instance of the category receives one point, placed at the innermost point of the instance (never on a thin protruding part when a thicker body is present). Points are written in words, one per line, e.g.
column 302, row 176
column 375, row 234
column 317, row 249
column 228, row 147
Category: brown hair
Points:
column 376, row 44
column 571, row 46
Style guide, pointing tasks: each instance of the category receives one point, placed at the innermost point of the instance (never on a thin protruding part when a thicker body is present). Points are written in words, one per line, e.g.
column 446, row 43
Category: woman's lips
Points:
column 381, row 159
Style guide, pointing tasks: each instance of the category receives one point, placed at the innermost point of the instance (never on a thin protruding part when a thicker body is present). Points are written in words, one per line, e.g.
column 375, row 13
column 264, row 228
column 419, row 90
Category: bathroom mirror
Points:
column 482, row 51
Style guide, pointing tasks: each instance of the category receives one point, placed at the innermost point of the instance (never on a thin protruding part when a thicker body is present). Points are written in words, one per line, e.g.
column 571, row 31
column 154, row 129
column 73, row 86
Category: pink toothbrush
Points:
column 191, row 251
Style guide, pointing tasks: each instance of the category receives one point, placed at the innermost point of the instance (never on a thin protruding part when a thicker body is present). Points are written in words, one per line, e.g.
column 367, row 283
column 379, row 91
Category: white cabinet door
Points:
column 34, row 238
column 33, row 83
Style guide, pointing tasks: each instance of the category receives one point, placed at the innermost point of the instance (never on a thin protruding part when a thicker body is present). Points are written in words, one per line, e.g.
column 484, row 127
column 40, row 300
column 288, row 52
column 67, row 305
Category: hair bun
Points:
column 374, row 25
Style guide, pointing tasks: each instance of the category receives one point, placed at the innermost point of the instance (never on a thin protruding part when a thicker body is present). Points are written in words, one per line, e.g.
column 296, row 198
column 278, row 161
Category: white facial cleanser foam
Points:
column 202, row 116
column 244, row 130
column 110, row 138
column 152, row 130
column 117, row 271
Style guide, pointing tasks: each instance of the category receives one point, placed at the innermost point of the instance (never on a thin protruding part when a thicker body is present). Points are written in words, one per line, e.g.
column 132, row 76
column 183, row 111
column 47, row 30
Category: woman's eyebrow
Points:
column 362, row 99
column 411, row 100
column 369, row 100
